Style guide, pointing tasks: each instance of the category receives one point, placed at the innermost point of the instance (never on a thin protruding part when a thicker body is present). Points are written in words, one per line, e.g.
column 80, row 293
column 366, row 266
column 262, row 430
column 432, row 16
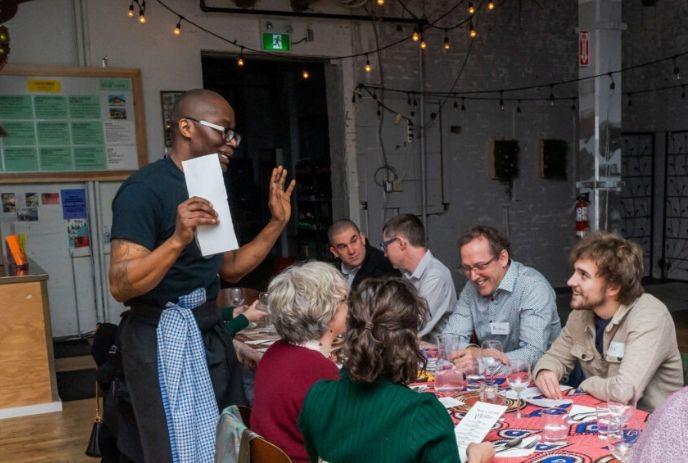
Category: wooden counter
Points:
column 27, row 369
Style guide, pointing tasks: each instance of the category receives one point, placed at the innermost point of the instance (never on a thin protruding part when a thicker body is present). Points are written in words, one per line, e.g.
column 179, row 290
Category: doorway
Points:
column 282, row 117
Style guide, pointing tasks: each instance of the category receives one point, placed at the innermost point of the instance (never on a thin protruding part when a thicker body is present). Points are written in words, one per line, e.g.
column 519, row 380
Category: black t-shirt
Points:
column 144, row 211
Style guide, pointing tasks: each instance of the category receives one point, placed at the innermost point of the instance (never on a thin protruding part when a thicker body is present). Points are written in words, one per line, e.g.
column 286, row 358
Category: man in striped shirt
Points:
column 503, row 299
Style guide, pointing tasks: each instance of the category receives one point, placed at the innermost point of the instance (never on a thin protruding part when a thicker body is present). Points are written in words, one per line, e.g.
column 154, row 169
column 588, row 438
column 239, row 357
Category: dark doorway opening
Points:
column 282, row 118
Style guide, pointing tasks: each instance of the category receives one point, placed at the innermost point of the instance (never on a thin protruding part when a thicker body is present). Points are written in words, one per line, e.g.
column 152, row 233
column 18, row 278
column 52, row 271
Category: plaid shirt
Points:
column 187, row 392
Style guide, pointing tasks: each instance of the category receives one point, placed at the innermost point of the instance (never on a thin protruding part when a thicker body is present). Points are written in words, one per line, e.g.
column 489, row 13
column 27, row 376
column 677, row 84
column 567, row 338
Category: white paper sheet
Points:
column 203, row 177
column 476, row 425
column 451, row 402
column 549, row 403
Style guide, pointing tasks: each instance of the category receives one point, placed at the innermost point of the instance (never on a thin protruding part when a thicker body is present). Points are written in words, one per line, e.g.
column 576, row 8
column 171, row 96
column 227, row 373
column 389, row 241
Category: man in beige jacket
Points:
column 616, row 333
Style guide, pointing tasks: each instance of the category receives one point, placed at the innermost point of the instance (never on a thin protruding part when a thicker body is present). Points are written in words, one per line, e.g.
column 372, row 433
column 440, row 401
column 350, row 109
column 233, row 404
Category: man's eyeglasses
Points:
column 384, row 244
column 228, row 135
column 480, row 266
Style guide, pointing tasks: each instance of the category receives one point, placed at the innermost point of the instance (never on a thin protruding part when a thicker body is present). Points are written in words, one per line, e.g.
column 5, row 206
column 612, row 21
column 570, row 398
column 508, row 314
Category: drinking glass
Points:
column 519, row 379
column 556, row 428
column 607, row 422
column 489, row 366
column 448, row 378
column 621, row 400
column 263, row 298
column 236, row 296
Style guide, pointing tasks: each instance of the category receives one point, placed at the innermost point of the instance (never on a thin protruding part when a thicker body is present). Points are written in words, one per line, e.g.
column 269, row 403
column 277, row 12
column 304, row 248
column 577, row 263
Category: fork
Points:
column 528, row 446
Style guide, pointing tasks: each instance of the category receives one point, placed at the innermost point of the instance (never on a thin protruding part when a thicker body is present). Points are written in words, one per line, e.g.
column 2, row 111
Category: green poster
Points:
column 56, row 159
column 16, row 107
column 87, row 133
column 53, row 133
column 84, row 107
column 115, row 84
column 50, row 107
column 89, row 158
column 19, row 133
column 21, row 160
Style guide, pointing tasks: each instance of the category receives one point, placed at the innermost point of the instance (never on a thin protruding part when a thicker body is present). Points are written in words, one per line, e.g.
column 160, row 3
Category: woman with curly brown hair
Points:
column 370, row 414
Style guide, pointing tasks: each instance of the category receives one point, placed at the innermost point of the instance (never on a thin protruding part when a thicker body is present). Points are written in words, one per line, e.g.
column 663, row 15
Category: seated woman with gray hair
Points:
column 307, row 305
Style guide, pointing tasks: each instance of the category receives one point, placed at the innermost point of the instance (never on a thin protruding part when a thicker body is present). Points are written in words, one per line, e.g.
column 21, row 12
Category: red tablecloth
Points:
column 583, row 444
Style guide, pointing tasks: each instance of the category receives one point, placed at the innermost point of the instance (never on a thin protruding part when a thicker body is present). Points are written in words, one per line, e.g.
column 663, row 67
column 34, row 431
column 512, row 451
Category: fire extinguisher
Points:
column 582, row 221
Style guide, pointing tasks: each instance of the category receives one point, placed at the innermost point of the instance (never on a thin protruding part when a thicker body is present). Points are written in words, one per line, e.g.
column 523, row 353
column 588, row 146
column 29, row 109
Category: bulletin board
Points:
column 70, row 124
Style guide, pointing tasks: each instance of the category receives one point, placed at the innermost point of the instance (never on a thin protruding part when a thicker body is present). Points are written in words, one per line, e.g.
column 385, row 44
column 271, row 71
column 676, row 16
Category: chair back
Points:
column 263, row 451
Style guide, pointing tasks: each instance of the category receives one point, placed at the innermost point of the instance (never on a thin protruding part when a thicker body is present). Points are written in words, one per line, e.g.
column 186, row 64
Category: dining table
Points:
column 583, row 444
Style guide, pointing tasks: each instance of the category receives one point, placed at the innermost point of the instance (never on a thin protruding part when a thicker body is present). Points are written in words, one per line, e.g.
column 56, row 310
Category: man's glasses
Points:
column 480, row 266
column 384, row 244
column 228, row 135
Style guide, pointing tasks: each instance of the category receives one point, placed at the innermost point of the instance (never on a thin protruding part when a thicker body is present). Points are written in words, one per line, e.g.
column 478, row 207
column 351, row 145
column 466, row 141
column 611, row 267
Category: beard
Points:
column 590, row 301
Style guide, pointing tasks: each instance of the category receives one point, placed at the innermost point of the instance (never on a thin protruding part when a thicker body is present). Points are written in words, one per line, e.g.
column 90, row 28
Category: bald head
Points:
column 201, row 104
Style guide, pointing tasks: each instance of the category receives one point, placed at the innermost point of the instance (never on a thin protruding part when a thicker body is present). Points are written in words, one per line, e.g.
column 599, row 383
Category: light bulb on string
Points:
column 518, row 106
column 415, row 102
column 472, row 33
column 573, row 104
column 551, row 95
column 677, row 71
column 501, row 100
column 130, row 13
column 408, row 99
column 630, row 102
column 463, row 103
column 423, row 44
column 471, row 8
column 456, row 105
column 240, row 60
column 178, row 27
column 305, row 75
column 380, row 2
column 446, row 44
column 368, row 67
column 612, row 84
column 490, row 6
column 683, row 91
column 379, row 111
column 142, row 16
column 415, row 36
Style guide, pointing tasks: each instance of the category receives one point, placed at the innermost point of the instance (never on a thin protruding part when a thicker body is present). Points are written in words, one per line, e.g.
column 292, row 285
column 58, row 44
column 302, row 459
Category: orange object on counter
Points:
column 15, row 251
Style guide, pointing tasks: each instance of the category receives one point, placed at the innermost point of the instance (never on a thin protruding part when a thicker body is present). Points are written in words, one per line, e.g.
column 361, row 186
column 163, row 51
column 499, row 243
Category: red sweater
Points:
column 283, row 378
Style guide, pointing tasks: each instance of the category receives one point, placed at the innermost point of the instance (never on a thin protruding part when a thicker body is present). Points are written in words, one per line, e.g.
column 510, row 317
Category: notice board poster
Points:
column 70, row 123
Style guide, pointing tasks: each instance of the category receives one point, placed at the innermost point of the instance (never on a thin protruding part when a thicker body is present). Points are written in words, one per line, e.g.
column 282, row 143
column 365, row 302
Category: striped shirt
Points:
column 524, row 300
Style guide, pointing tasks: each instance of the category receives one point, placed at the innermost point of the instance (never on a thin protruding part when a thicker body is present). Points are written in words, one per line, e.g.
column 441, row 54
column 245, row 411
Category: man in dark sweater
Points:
column 358, row 260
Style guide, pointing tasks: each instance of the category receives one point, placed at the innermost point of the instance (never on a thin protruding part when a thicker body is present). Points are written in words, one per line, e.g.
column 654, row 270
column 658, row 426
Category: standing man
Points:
column 616, row 333
column 359, row 260
column 155, row 261
column 503, row 299
column 404, row 246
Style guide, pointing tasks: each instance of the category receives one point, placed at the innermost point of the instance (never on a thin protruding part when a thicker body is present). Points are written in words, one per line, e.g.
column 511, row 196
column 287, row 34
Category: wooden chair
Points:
column 263, row 451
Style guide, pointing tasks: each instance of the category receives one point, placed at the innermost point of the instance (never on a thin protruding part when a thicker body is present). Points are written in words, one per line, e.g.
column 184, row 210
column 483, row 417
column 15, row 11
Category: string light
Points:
column 456, row 105
column 416, row 36
column 573, row 104
column 677, row 71
column 490, row 5
column 142, row 16
column 408, row 99
column 612, row 84
column 368, row 67
column 446, row 45
column 305, row 74
column 178, row 27
column 130, row 13
column 380, row 2
column 471, row 8
column 423, row 45
column 518, row 107
column 630, row 102
column 472, row 33
column 379, row 112
column 463, row 104
column 551, row 95
column 683, row 91
column 240, row 60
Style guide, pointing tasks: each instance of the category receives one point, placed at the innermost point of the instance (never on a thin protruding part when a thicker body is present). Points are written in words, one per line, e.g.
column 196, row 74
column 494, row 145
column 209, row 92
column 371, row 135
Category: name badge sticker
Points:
column 500, row 328
column 616, row 349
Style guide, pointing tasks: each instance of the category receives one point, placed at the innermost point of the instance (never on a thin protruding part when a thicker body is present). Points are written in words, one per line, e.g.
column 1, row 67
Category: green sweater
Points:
column 233, row 324
column 346, row 422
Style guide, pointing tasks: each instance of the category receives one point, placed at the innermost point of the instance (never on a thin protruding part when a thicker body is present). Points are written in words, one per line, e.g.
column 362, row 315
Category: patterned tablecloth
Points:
column 583, row 444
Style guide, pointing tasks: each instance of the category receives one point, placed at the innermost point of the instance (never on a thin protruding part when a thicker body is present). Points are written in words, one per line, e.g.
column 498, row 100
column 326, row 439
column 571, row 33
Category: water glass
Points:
column 448, row 378
column 621, row 401
column 607, row 422
column 621, row 448
column 556, row 428
column 263, row 301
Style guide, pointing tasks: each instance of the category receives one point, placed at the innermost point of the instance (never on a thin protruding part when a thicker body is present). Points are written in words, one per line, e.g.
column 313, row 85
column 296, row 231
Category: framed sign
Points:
column 70, row 124
column 168, row 98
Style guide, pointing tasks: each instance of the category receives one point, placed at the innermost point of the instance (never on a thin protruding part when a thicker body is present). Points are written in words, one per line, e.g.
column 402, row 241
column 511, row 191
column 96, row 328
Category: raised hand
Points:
column 280, row 198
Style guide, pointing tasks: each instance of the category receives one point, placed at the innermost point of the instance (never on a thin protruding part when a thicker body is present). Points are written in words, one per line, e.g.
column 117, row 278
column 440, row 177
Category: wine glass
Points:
column 489, row 366
column 236, row 296
column 519, row 379
column 621, row 400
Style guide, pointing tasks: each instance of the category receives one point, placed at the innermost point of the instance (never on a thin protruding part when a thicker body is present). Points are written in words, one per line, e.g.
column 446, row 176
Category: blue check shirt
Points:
column 524, row 299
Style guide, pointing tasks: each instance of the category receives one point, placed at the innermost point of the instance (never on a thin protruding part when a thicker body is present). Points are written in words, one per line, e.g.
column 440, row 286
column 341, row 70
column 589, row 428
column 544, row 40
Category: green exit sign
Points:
column 276, row 42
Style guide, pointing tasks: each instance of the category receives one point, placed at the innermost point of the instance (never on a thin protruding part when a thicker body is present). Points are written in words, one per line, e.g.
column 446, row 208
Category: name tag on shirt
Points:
column 500, row 328
column 616, row 349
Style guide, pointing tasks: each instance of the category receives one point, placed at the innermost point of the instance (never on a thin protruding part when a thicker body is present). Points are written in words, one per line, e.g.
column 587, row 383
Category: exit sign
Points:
column 276, row 42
